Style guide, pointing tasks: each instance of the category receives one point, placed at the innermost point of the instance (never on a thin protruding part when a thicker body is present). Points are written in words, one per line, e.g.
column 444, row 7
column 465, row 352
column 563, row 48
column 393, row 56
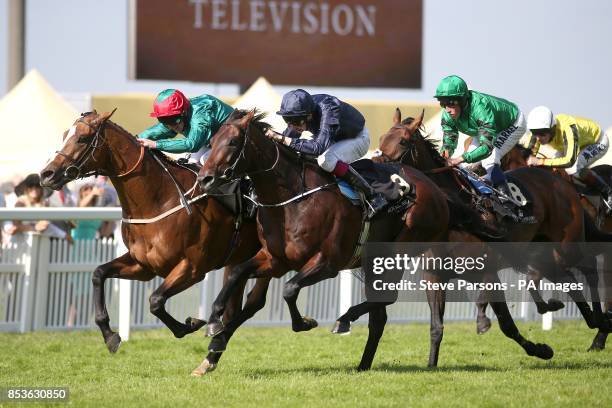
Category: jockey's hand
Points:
column 534, row 161
column 445, row 154
column 277, row 137
column 41, row 225
column 455, row 161
column 151, row 144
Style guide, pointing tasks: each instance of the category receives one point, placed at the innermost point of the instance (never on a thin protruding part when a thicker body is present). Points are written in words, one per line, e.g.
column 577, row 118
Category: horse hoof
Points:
column 307, row 323
column 113, row 343
column 483, row 325
column 194, row 324
column 341, row 328
column 554, row 305
column 204, row 368
column 596, row 347
column 214, row 328
column 541, row 350
column 364, row 367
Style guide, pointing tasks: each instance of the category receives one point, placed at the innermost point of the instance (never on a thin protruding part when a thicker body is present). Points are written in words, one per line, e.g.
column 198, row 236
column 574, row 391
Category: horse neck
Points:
column 287, row 179
column 146, row 190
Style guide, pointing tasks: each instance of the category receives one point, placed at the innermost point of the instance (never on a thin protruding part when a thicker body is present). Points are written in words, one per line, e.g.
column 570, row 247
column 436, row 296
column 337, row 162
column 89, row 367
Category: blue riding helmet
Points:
column 296, row 103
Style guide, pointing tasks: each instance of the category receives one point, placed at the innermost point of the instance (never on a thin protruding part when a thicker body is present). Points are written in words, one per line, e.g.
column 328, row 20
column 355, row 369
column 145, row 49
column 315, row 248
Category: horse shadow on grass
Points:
column 412, row 368
column 385, row 367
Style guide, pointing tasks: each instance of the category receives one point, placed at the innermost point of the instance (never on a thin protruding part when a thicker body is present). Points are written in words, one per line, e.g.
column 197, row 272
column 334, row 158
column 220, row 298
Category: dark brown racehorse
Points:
column 517, row 158
column 177, row 246
column 315, row 234
column 560, row 217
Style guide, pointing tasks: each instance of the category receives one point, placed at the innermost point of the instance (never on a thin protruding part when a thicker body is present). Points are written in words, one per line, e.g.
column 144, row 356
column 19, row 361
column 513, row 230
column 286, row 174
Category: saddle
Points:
column 492, row 203
column 389, row 180
column 231, row 195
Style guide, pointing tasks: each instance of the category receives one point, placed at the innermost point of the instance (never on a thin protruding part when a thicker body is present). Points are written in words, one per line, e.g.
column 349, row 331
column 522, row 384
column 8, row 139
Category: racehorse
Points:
column 560, row 218
column 162, row 237
column 305, row 224
column 517, row 158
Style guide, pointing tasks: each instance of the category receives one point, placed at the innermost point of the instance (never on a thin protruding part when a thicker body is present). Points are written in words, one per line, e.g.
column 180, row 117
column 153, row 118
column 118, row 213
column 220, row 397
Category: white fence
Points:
column 45, row 283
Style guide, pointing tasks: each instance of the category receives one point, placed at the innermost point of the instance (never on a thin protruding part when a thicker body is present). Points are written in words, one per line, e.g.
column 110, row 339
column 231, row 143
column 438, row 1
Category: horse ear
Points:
column 246, row 119
column 397, row 117
column 106, row 116
column 417, row 122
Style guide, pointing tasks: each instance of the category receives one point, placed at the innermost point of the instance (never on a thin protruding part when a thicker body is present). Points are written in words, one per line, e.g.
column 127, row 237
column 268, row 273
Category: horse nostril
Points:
column 47, row 175
column 205, row 181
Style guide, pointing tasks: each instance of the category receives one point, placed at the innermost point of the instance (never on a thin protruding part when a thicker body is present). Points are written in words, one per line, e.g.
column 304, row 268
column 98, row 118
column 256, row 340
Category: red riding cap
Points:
column 169, row 102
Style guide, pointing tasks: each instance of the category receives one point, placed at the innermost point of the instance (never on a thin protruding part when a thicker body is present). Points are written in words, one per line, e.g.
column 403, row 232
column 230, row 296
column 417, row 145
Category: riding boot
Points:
column 514, row 212
column 596, row 182
column 376, row 201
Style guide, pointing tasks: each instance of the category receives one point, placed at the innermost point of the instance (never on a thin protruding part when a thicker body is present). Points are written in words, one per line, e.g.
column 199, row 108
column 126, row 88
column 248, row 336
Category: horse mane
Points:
column 430, row 144
column 525, row 151
column 257, row 121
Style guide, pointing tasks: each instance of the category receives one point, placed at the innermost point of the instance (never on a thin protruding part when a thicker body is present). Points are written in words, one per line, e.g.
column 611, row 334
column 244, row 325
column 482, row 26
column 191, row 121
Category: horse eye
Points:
column 82, row 139
column 233, row 143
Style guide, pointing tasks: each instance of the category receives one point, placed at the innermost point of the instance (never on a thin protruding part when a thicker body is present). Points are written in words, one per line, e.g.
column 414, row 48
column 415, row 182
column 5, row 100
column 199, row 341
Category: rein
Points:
column 74, row 170
column 292, row 199
column 228, row 174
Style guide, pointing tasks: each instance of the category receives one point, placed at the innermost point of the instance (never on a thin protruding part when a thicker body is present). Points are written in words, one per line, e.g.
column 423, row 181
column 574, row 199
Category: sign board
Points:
column 369, row 43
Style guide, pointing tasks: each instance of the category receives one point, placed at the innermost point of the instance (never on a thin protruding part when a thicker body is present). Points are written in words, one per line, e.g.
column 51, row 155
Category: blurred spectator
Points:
column 62, row 198
column 108, row 199
column 2, row 204
column 89, row 196
column 31, row 194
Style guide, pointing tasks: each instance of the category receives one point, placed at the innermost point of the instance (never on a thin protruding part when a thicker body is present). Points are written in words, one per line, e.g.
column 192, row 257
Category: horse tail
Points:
column 592, row 233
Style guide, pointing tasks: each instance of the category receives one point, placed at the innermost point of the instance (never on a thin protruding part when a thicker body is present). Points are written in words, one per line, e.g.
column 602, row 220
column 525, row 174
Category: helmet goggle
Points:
column 454, row 101
column 294, row 120
column 170, row 120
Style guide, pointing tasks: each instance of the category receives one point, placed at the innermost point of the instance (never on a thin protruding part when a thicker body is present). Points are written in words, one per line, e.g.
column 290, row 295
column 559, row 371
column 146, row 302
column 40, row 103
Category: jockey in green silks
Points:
column 495, row 124
column 198, row 119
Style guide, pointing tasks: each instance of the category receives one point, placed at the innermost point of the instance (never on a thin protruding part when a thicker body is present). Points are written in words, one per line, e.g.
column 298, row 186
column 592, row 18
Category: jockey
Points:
column 339, row 136
column 578, row 141
column 198, row 119
column 495, row 125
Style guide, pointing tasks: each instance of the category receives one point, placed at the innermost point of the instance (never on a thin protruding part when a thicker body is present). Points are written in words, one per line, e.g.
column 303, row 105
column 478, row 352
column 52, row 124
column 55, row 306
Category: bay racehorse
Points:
column 517, row 158
column 162, row 237
column 305, row 224
column 560, row 218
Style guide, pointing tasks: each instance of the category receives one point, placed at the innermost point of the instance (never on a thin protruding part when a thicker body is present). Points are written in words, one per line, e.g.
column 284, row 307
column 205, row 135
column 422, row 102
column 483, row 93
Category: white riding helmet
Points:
column 540, row 117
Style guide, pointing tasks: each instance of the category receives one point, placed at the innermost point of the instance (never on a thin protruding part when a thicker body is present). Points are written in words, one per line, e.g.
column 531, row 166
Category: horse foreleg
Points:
column 508, row 327
column 181, row 277
column 437, row 302
column 315, row 271
column 124, row 267
column 237, row 276
column 255, row 301
column 483, row 323
column 343, row 323
column 376, row 327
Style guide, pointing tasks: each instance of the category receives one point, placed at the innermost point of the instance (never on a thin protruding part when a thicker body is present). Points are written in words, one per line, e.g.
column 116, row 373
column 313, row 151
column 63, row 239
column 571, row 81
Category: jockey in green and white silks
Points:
column 495, row 124
column 198, row 119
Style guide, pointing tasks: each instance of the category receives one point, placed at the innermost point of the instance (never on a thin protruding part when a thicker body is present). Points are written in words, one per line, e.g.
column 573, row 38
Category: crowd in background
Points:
column 92, row 192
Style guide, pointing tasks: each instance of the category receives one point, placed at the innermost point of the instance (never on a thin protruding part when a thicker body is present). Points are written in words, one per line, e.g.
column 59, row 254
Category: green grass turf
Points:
column 275, row 367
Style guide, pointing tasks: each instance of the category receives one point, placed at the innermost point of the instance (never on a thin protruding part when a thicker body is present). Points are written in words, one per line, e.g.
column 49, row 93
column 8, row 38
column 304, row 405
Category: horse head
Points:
column 404, row 143
column 234, row 147
column 81, row 153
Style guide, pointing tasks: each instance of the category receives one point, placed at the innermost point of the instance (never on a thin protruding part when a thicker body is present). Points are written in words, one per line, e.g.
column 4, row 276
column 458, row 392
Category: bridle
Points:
column 74, row 169
column 229, row 173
